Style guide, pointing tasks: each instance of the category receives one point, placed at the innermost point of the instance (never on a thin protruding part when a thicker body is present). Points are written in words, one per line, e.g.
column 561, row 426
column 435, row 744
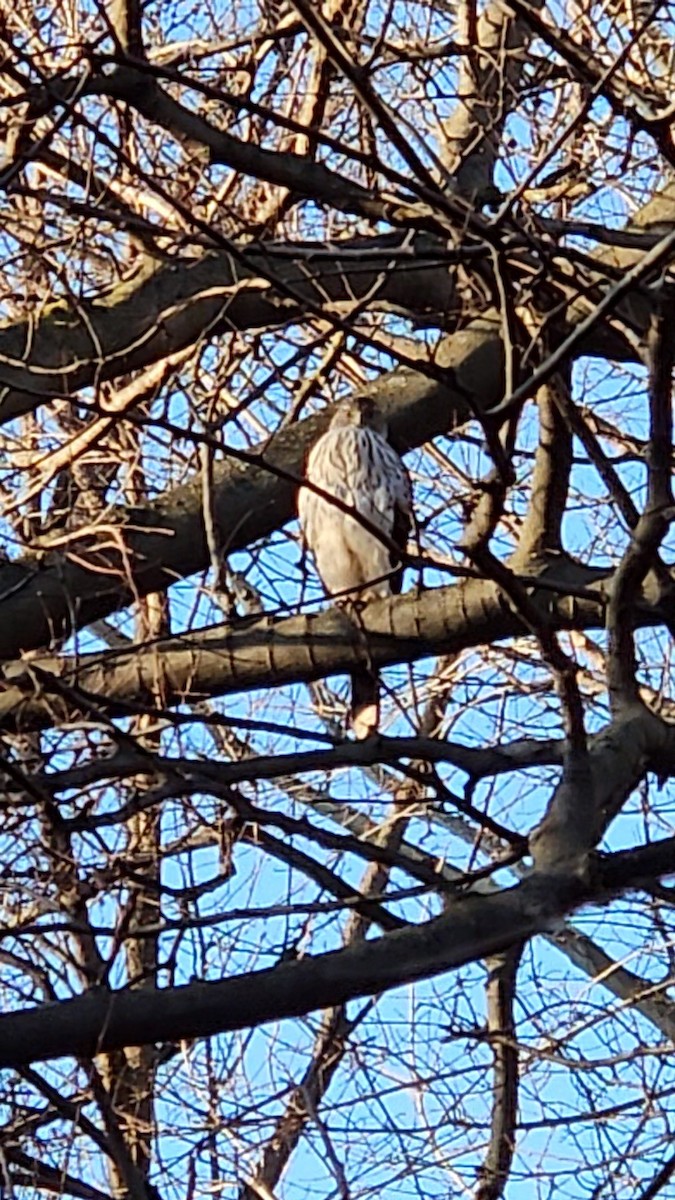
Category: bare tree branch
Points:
column 652, row 526
column 501, row 1029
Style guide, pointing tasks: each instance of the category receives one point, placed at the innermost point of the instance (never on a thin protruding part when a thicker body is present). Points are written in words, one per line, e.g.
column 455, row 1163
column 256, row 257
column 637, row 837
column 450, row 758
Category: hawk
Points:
column 354, row 462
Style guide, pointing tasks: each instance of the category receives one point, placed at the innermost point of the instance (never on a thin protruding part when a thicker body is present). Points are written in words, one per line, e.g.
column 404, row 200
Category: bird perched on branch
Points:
column 354, row 462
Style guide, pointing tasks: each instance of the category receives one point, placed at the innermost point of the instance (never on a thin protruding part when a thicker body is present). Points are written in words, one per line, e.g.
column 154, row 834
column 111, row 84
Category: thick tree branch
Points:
column 577, row 817
column 126, row 17
column 163, row 309
column 474, row 927
column 101, row 1021
column 501, row 1028
column 541, row 531
column 489, row 75
column 224, row 659
column 642, row 551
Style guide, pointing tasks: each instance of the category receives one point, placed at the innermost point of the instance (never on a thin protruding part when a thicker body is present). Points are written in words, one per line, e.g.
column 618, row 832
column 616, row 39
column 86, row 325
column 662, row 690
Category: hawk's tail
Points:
column 365, row 714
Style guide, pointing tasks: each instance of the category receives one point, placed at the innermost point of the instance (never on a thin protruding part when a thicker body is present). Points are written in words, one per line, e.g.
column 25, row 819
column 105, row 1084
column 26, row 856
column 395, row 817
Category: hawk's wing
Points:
column 400, row 499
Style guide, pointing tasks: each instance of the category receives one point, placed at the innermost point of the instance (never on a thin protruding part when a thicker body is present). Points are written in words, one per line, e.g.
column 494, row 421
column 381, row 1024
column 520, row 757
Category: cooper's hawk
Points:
column 354, row 462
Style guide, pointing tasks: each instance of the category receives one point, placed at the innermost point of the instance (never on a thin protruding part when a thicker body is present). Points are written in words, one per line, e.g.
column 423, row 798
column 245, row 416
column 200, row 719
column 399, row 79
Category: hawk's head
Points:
column 359, row 410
